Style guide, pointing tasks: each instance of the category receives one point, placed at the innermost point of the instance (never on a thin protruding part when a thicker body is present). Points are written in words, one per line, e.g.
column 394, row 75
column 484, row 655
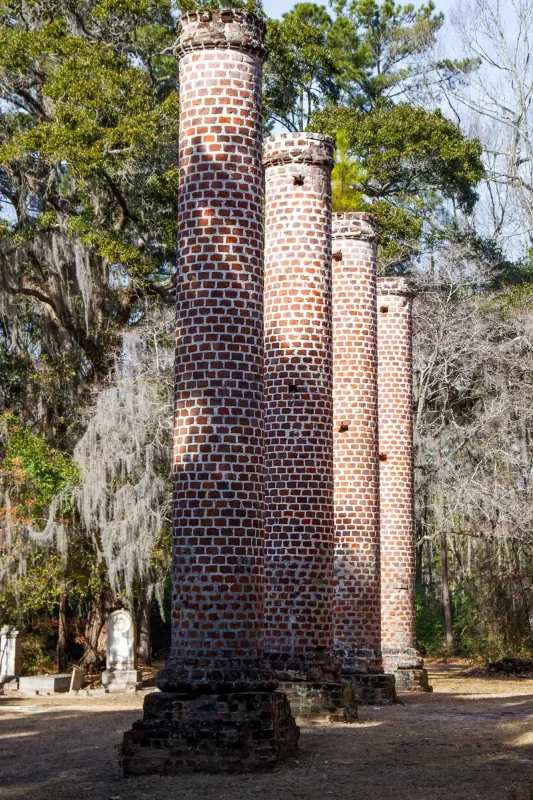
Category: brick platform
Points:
column 322, row 702
column 218, row 510
column 395, row 390
column 299, row 532
column 374, row 690
column 210, row 733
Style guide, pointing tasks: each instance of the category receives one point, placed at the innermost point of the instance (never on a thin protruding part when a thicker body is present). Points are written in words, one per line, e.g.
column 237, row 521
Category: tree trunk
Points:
column 144, row 632
column 445, row 581
column 91, row 659
column 61, row 650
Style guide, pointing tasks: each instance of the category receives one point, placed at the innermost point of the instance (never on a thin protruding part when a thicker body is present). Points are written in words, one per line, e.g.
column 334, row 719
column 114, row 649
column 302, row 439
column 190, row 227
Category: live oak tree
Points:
column 88, row 126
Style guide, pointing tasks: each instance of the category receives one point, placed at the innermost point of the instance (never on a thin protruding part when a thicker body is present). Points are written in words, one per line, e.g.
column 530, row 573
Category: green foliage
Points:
column 391, row 40
column 405, row 161
column 302, row 70
column 104, row 119
column 88, row 176
column 37, row 657
column 429, row 623
column 37, row 471
column 488, row 612
column 346, row 178
column 371, row 54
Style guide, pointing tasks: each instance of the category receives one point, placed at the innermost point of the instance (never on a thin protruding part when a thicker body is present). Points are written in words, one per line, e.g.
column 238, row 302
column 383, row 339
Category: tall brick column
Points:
column 299, row 530
column 356, row 461
column 395, row 392
column 217, row 709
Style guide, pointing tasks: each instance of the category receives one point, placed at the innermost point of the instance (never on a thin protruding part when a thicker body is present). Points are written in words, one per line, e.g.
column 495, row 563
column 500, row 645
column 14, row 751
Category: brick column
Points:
column 299, row 530
column 356, row 462
column 218, row 533
column 395, row 392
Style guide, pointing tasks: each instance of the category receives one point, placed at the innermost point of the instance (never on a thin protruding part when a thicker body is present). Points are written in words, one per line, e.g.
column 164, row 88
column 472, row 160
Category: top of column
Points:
column 226, row 29
column 298, row 148
column 355, row 225
column 396, row 285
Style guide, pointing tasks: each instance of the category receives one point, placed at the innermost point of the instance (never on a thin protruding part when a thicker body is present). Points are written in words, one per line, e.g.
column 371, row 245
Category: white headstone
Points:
column 121, row 674
column 121, row 641
column 10, row 652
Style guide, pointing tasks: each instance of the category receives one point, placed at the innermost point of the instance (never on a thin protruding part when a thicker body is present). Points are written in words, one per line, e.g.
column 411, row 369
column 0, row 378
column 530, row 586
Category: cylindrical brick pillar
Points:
column 355, row 404
column 217, row 573
column 218, row 503
column 395, row 409
column 299, row 535
column 356, row 462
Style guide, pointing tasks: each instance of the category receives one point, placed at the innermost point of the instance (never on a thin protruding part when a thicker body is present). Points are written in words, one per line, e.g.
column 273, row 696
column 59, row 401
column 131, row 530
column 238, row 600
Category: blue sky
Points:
column 275, row 8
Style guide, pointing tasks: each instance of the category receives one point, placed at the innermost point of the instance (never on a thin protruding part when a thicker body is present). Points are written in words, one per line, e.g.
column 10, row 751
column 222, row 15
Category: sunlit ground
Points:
column 472, row 738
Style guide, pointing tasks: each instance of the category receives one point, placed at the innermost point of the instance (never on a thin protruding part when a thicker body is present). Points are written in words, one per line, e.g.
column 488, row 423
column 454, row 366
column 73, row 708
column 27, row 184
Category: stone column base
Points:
column 373, row 689
column 237, row 732
column 122, row 680
column 412, row 680
column 321, row 702
column 408, row 669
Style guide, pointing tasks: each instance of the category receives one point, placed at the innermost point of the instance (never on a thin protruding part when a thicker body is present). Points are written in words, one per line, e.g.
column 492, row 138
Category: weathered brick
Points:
column 203, row 721
column 299, row 529
column 355, row 438
column 395, row 409
column 298, row 396
column 217, row 579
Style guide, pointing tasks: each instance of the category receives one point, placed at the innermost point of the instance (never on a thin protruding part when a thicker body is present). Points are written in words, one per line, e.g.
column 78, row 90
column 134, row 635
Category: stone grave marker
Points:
column 121, row 674
column 76, row 682
column 10, row 657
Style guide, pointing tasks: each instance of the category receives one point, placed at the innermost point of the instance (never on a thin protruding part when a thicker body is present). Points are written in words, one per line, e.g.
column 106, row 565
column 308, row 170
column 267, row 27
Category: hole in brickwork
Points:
column 384, row 309
column 383, row 456
column 344, row 427
column 293, row 387
column 299, row 180
column 337, row 256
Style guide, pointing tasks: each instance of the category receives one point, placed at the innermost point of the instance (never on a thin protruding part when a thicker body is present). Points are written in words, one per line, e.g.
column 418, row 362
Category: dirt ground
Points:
column 472, row 738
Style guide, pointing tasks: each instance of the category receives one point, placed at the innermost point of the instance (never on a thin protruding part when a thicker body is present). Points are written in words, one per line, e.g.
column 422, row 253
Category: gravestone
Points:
column 45, row 684
column 10, row 657
column 121, row 674
column 76, row 681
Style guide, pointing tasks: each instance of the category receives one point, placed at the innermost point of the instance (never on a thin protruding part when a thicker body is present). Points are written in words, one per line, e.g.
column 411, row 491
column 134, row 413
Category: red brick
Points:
column 355, row 403
column 299, row 533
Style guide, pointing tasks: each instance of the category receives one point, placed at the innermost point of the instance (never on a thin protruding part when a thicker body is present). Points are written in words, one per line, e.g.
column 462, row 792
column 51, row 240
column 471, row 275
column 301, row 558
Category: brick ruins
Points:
column 218, row 709
column 395, row 412
column 356, row 454
column 299, row 524
column 276, row 555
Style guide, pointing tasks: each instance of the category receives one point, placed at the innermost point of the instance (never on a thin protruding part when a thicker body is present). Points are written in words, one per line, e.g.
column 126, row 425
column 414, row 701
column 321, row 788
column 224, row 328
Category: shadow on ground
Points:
column 464, row 741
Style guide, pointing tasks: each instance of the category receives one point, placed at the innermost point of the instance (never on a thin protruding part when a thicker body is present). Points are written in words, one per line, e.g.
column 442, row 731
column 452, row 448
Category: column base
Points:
column 122, row 680
column 373, row 689
column 321, row 702
column 407, row 667
column 236, row 732
column 320, row 666
column 360, row 660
